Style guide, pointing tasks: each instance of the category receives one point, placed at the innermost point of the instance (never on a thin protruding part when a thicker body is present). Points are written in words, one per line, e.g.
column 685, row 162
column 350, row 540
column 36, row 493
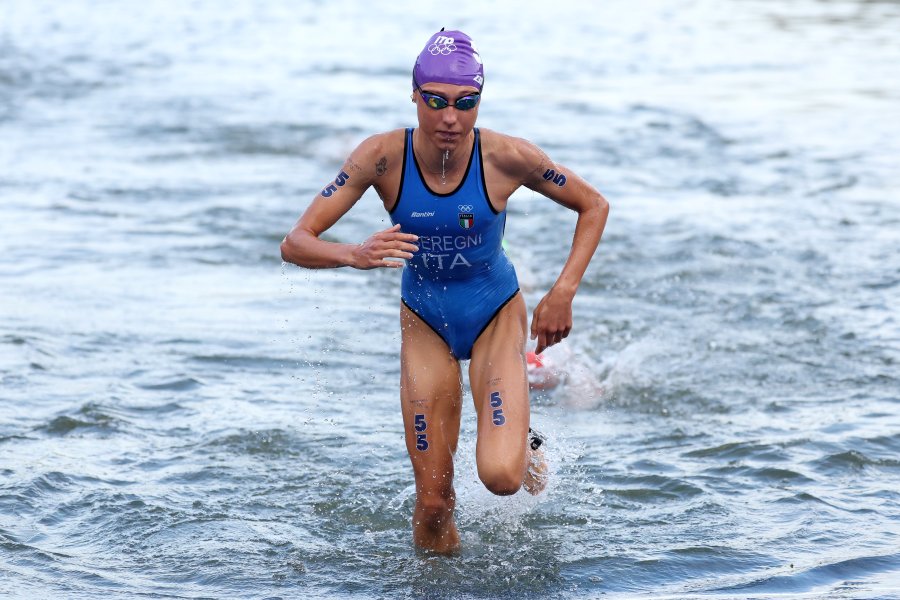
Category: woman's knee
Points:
column 502, row 481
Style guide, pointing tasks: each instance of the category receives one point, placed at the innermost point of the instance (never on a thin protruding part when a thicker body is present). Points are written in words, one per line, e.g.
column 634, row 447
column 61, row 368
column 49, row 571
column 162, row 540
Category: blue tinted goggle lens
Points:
column 438, row 102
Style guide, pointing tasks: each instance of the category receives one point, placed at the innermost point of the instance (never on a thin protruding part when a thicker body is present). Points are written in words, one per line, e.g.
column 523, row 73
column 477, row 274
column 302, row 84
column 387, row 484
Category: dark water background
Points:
column 181, row 416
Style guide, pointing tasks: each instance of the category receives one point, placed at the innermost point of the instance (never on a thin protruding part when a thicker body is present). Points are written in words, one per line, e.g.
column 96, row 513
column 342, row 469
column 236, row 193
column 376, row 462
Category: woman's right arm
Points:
column 303, row 246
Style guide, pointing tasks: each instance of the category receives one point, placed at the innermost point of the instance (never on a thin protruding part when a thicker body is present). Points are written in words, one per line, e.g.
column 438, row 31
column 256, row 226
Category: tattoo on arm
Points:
column 381, row 166
column 538, row 169
column 557, row 178
column 339, row 181
column 545, row 168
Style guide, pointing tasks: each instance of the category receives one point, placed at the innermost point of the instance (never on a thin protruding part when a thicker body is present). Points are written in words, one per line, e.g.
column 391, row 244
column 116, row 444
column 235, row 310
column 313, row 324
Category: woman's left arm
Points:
column 552, row 318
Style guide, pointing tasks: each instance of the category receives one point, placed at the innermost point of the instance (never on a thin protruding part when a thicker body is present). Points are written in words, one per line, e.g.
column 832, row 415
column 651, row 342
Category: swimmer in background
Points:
column 445, row 185
column 542, row 373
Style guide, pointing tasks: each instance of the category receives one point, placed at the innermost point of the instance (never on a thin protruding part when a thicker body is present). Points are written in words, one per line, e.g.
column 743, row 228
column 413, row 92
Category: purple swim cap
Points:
column 449, row 57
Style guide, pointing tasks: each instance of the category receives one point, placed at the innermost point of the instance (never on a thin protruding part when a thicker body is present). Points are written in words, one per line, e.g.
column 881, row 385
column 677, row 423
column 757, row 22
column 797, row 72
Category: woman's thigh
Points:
column 430, row 395
column 499, row 381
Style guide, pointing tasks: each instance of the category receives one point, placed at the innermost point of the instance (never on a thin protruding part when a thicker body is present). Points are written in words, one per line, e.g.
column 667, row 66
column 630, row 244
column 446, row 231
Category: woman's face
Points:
column 446, row 127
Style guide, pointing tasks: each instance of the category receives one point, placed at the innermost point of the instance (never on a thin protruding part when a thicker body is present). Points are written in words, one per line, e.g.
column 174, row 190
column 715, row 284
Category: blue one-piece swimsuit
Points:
column 460, row 277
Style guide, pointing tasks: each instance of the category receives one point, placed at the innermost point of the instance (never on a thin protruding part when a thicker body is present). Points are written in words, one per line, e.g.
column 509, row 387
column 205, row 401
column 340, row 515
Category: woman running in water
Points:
column 446, row 184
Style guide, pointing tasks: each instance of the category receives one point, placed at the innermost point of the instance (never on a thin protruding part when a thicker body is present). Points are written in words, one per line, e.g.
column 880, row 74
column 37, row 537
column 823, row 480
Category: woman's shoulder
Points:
column 386, row 141
column 372, row 156
column 513, row 155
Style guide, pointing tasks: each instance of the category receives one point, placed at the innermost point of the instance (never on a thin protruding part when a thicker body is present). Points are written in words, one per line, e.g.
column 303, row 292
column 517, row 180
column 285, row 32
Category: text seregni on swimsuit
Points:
column 432, row 245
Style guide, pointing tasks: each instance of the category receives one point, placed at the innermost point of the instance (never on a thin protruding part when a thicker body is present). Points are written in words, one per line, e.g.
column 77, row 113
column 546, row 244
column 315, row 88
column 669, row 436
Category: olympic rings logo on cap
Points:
column 465, row 208
column 442, row 45
column 445, row 50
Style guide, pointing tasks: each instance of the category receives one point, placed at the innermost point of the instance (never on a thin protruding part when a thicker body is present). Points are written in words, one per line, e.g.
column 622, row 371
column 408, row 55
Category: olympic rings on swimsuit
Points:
column 465, row 208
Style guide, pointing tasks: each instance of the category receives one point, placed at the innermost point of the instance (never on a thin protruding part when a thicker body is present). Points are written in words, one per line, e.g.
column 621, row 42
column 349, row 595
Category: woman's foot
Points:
column 537, row 472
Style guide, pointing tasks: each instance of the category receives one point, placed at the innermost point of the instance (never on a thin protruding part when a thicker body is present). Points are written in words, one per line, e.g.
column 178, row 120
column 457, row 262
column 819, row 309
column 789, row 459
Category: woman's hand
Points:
column 552, row 319
column 387, row 244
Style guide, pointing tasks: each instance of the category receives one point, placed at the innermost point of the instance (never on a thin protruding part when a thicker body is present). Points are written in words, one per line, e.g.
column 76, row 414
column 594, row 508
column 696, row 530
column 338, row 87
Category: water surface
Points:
column 181, row 415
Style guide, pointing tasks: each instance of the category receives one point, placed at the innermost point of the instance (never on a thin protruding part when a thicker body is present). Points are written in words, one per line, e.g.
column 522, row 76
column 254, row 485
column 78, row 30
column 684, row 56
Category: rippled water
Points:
column 183, row 416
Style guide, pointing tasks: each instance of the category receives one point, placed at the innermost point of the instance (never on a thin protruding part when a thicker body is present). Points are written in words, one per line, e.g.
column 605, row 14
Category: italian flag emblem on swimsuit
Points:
column 466, row 220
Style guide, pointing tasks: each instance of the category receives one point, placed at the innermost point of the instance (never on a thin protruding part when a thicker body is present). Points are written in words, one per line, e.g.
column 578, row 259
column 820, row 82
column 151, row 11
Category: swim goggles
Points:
column 436, row 102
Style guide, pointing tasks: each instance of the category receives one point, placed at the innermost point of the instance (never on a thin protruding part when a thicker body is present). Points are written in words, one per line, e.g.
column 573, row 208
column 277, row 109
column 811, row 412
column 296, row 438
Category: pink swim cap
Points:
column 449, row 57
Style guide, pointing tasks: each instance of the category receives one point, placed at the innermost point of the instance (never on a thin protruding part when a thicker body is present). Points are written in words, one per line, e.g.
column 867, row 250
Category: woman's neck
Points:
column 443, row 162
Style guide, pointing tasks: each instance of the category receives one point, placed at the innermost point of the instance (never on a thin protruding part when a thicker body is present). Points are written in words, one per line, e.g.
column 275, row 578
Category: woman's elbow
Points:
column 602, row 205
column 597, row 209
column 289, row 250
